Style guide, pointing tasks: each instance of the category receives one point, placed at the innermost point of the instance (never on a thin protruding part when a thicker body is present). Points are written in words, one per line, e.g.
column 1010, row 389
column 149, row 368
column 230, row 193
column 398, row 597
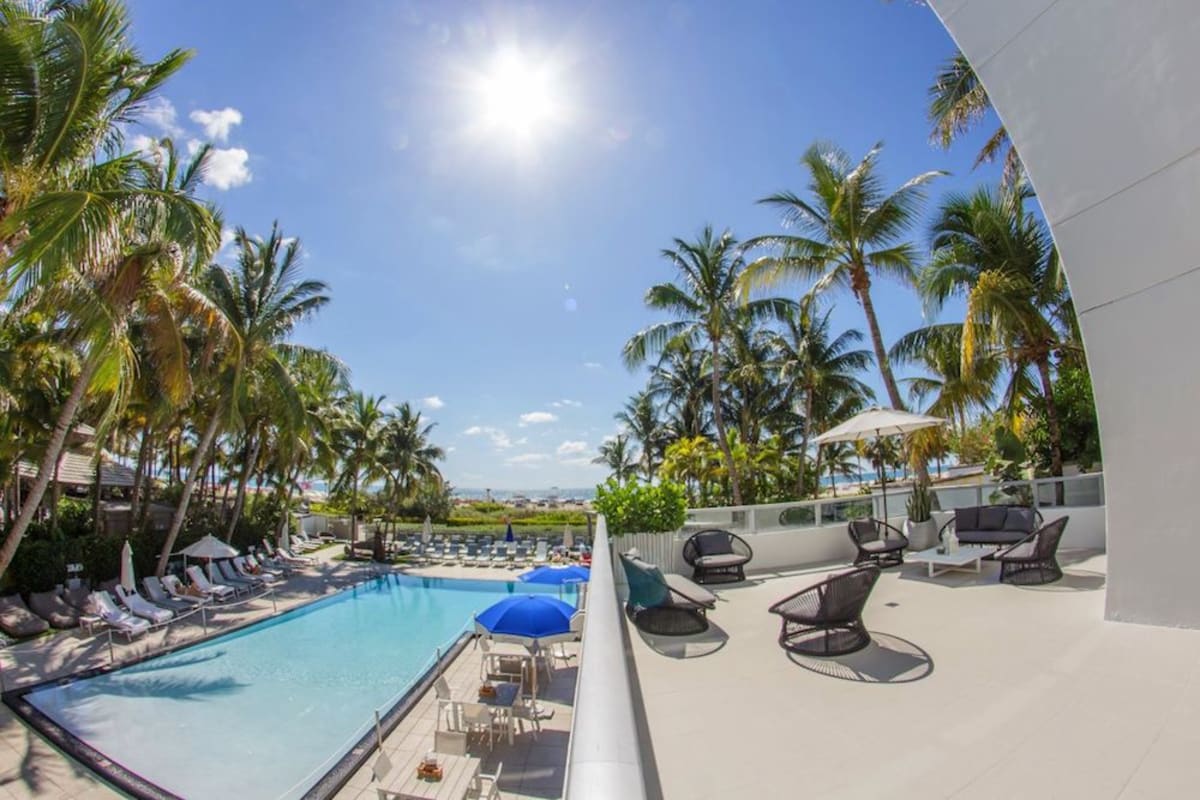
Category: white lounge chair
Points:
column 218, row 590
column 232, row 577
column 159, row 596
column 287, row 556
column 539, row 555
column 252, row 567
column 115, row 618
column 177, row 590
column 141, row 607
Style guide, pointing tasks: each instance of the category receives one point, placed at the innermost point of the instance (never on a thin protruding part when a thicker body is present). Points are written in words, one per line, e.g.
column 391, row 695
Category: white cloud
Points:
column 217, row 123
column 566, row 404
column 160, row 113
column 527, row 458
column 149, row 145
column 592, row 365
column 585, row 461
column 571, row 448
column 482, row 252
column 537, row 418
column 433, row 401
column 450, row 449
column 227, row 168
column 499, row 438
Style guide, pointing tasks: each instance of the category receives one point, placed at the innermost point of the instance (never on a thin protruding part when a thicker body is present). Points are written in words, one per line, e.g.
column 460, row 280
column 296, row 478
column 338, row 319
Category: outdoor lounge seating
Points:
column 51, row 607
column 117, row 619
column 996, row 525
column 717, row 556
column 826, row 619
column 158, row 595
column 218, row 590
column 141, row 607
column 1034, row 561
column 188, row 594
column 670, row 604
column 17, row 620
column 878, row 542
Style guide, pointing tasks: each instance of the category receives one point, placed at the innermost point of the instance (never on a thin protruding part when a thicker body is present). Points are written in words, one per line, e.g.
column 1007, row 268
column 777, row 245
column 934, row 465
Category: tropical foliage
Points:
column 121, row 323
column 641, row 508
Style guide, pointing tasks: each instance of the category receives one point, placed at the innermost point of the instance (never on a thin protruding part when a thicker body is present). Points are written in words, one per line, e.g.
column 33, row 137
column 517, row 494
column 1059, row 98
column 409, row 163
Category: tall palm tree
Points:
column 359, row 435
column 619, row 456
column 957, row 103
column 956, row 393
column 814, row 364
column 705, row 304
column 839, row 460
column 989, row 249
column 851, row 231
column 640, row 416
column 406, row 453
column 262, row 299
column 680, row 383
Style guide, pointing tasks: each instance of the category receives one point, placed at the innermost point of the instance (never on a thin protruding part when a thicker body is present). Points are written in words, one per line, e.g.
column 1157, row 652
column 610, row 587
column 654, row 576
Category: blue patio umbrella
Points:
column 508, row 534
column 528, row 615
column 557, row 576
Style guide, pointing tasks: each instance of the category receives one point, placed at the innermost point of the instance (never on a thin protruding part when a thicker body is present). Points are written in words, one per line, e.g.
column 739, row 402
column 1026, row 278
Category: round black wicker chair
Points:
column 717, row 556
column 826, row 619
column 878, row 542
column 1034, row 561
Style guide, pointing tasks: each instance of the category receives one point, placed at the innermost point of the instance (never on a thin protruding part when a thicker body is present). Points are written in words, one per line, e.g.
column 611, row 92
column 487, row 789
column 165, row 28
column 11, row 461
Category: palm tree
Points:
column 851, row 229
column 359, row 435
column 957, row 103
column 839, row 460
column 989, row 249
column 680, row 381
column 705, row 306
column 816, row 364
column 262, row 298
column 640, row 417
column 619, row 456
column 956, row 393
column 406, row 454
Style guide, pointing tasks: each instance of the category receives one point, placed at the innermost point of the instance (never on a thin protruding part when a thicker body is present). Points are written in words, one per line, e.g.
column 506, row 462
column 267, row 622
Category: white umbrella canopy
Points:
column 209, row 547
column 427, row 530
column 568, row 537
column 876, row 423
column 127, row 567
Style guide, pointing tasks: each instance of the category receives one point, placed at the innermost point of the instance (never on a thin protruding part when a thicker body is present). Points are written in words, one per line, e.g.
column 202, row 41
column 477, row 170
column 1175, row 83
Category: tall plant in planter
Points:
column 643, row 516
column 920, row 527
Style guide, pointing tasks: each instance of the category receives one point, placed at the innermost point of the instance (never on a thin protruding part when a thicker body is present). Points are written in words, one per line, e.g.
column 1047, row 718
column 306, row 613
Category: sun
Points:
column 518, row 96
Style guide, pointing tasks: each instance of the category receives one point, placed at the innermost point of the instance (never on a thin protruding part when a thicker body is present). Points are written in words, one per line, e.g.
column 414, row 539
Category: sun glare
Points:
column 518, row 96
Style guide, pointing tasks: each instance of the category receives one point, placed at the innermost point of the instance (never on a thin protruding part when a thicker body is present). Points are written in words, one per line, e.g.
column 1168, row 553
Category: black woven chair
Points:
column 826, row 619
column 669, row 605
column 717, row 556
column 1034, row 560
column 878, row 543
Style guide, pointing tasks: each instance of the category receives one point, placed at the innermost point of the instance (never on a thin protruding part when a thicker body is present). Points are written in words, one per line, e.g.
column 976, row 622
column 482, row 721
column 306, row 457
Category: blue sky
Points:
column 488, row 247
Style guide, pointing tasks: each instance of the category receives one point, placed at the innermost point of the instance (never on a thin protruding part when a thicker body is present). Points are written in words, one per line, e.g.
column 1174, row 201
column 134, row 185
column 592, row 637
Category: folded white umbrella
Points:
column 875, row 423
column 127, row 568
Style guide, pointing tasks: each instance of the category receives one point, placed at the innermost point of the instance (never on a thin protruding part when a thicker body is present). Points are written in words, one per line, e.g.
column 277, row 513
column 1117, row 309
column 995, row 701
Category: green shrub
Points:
column 75, row 518
column 38, row 566
column 920, row 503
column 641, row 508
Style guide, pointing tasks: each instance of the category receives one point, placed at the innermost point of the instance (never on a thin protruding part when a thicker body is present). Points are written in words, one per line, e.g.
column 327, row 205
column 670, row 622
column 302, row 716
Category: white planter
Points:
column 660, row 549
column 921, row 535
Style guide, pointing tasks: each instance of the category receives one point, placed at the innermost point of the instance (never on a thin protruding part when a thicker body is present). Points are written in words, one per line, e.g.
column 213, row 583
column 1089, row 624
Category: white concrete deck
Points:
column 971, row 689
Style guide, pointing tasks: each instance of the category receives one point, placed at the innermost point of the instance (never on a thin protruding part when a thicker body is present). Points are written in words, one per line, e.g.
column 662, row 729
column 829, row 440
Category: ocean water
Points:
column 265, row 711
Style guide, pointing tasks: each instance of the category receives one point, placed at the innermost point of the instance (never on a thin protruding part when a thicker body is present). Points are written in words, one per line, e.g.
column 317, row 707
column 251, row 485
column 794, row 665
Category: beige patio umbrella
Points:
column 875, row 423
column 427, row 530
column 568, row 537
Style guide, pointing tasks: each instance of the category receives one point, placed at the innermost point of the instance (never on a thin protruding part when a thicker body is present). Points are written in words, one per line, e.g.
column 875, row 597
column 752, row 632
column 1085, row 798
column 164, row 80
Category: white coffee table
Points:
column 968, row 558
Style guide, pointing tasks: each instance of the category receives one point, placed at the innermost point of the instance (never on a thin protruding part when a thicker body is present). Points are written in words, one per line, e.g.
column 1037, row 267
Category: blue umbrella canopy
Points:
column 557, row 576
column 528, row 615
column 508, row 533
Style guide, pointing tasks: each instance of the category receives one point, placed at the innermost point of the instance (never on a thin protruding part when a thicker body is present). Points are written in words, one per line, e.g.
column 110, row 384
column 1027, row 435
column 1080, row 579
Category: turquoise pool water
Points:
column 265, row 711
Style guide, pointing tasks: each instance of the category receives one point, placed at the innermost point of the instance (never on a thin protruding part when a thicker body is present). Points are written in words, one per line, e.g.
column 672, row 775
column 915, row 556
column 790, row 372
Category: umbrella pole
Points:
column 882, row 477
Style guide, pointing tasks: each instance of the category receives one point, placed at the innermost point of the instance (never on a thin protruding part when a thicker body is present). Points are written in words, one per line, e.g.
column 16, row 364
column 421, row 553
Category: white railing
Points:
column 1084, row 491
column 605, row 756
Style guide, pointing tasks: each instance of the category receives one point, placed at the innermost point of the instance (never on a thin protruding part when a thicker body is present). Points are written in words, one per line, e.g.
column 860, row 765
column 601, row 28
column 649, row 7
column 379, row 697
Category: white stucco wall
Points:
column 1102, row 100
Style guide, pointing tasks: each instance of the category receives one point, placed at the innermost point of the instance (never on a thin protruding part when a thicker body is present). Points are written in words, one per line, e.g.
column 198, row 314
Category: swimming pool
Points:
column 265, row 711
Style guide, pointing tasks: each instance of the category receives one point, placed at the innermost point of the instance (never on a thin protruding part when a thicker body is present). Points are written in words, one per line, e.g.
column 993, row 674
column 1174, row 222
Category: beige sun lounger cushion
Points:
column 17, row 620
column 52, row 608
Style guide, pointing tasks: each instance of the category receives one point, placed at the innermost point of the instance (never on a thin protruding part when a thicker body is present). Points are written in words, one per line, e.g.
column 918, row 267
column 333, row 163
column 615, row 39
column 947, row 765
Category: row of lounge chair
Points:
column 162, row 600
column 501, row 554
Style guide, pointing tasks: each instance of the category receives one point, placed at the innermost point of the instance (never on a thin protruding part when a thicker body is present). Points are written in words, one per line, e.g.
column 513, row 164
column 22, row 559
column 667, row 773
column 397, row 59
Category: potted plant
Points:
column 920, row 527
column 645, row 517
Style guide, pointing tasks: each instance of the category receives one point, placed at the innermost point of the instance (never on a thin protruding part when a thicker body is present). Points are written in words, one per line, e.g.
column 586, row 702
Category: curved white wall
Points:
column 1102, row 99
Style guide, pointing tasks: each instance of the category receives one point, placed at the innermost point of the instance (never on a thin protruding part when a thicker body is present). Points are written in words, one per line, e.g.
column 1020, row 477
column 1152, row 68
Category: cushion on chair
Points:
column 722, row 560
column 966, row 519
column 864, row 531
column 1025, row 550
column 693, row 592
column 1019, row 519
column 882, row 546
column 990, row 537
column 991, row 518
column 713, row 543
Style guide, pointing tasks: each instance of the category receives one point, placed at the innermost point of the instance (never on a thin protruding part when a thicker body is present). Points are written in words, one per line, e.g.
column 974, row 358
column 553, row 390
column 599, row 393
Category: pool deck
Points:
column 30, row 767
column 533, row 768
column 971, row 689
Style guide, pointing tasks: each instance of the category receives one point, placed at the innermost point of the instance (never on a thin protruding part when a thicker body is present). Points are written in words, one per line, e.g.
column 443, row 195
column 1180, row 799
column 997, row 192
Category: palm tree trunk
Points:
column 885, row 366
column 58, row 438
column 808, row 406
column 1056, row 460
column 139, row 476
column 719, row 420
column 197, row 468
column 97, row 522
column 55, row 494
column 240, row 499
